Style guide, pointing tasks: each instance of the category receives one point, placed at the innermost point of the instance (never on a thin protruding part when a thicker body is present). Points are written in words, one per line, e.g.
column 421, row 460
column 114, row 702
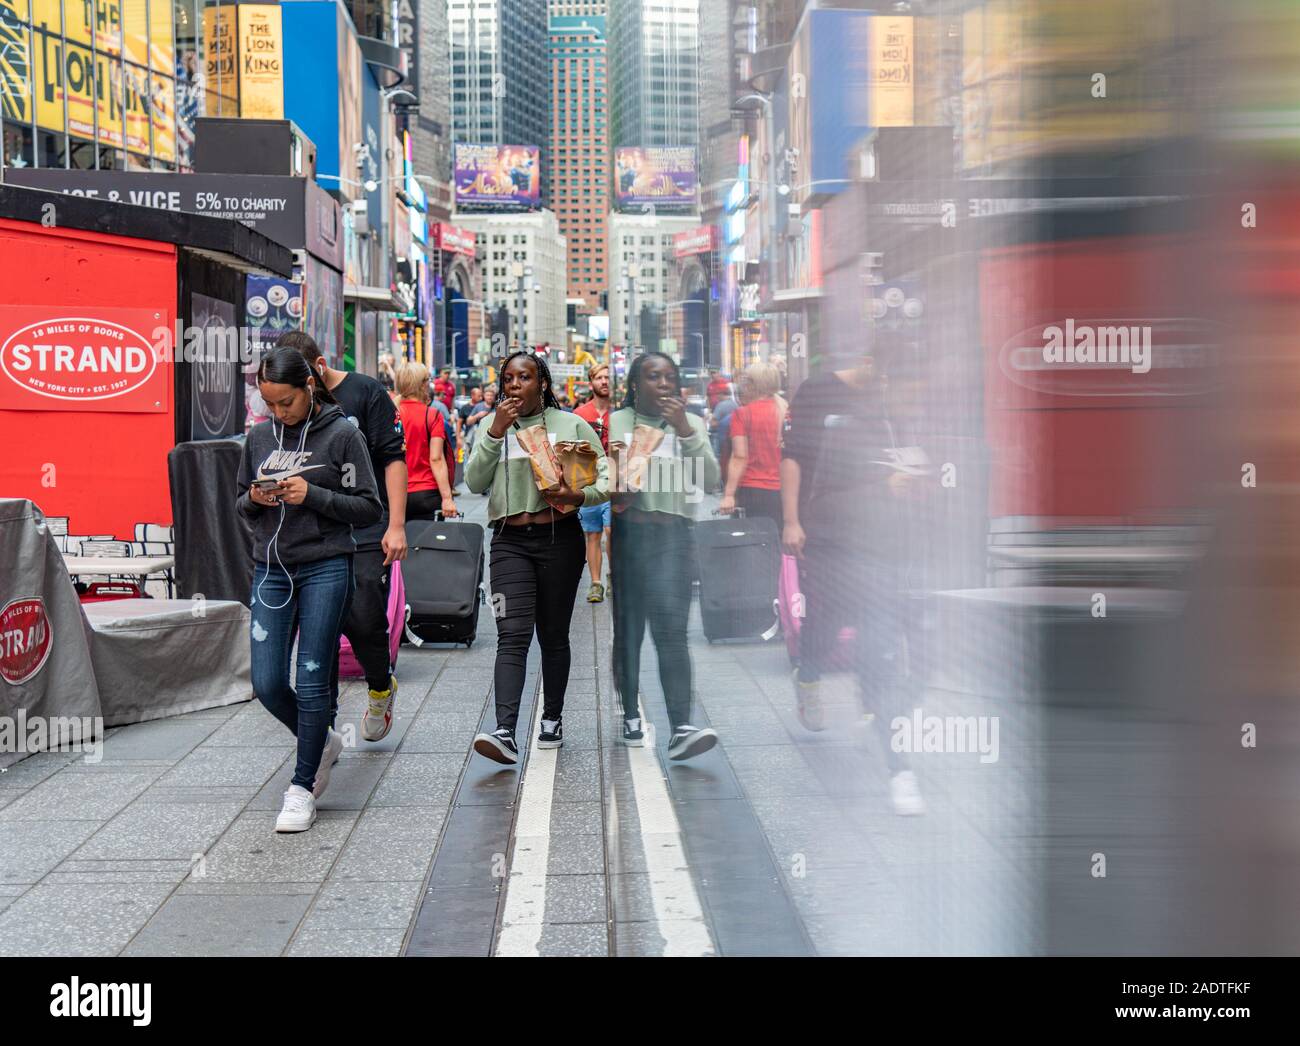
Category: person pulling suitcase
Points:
column 538, row 552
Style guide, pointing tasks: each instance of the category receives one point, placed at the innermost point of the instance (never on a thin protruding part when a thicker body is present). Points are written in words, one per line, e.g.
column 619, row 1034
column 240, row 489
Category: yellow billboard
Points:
column 261, row 62
column 15, row 64
column 222, row 87
column 137, row 109
column 99, row 21
column 135, row 31
column 74, row 72
column 893, row 71
column 46, row 84
column 163, row 118
column 108, row 100
column 47, row 15
column 162, row 44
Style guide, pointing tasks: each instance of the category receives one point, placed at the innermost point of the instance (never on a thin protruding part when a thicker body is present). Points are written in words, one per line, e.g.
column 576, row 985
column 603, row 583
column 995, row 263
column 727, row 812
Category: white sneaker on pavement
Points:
column 378, row 719
column 299, row 811
column 333, row 749
column 906, row 794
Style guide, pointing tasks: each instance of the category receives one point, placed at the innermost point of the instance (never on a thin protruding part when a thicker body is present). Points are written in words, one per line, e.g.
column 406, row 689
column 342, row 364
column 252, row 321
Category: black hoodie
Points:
column 339, row 494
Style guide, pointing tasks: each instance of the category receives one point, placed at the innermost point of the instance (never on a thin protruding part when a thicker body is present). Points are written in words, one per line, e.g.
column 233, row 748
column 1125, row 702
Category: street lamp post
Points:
column 521, row 273
column 454, row 336
column 632, row 273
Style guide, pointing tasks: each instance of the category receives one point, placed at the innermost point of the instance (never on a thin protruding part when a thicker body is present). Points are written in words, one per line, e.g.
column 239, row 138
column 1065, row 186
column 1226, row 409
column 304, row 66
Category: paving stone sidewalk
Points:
column 167, row 846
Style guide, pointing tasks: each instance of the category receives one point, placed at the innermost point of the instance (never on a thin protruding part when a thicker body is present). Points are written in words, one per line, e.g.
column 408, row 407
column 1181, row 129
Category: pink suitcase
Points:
column 790, row 609
column 349, row 667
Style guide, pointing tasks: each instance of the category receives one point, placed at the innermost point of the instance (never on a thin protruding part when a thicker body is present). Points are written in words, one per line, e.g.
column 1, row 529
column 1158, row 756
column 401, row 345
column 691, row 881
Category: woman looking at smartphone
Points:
column 321, row 483
column 538, row 551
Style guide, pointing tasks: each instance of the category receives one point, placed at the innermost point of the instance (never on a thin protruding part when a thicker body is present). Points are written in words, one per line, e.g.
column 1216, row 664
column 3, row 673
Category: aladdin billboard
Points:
column 498, row 177
column 650, row 180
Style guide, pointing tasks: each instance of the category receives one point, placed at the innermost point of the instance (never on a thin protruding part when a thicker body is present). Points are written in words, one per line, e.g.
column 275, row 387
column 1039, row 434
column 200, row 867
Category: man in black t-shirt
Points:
column 366, row 405
column 841, row 490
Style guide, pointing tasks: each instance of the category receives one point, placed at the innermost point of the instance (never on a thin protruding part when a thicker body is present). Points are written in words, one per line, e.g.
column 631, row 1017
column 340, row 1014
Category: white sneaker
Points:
column 333, row 749
column 906, row 794
column 378, row 719
column 299, row 811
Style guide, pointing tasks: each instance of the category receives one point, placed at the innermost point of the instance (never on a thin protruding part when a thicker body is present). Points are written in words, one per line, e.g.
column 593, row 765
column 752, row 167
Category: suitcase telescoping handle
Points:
column 438, row 517
column 737, row 513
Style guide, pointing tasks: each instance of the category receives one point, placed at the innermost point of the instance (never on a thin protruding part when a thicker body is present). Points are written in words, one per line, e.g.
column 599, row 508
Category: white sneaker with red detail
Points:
column 378, row 719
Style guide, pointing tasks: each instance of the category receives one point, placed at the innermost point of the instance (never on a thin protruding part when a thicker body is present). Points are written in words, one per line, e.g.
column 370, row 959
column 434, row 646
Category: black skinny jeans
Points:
column 366, row 624
column 652, row 566
column 535, row 574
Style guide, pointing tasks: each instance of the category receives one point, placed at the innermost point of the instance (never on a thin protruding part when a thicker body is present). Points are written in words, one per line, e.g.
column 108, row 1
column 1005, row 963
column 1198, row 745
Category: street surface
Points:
column 778, row 842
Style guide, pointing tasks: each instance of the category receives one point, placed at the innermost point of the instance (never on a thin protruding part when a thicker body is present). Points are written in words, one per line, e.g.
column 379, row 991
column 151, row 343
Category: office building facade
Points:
column 578, row 157
column 536, row 306
column 500, row 73
column 654, row 72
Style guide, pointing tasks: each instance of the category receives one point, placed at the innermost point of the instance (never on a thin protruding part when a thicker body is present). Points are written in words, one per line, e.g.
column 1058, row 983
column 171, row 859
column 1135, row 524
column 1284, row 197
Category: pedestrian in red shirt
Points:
column 754, row 470
column 429, row 463
column 595, row 520
column 445, row 389
column 719, row 389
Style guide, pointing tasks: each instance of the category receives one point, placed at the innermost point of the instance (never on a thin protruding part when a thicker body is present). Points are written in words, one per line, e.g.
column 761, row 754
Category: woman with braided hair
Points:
column 538, row 552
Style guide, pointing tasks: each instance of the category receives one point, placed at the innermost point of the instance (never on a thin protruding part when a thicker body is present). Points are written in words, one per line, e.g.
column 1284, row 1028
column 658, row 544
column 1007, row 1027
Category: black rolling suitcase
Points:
column 443, row 572
column 739, row 562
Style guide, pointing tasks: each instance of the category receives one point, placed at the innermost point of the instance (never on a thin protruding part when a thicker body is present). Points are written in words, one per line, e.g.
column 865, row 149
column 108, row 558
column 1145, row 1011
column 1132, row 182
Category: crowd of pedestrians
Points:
column 329, row 483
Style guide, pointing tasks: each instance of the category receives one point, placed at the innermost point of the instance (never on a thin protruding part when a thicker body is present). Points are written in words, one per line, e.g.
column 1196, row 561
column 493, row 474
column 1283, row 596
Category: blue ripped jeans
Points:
column 313, row 608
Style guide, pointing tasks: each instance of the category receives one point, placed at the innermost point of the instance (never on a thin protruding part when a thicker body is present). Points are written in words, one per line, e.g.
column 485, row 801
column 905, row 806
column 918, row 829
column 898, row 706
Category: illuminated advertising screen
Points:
column 498, row 177
column 649, row 180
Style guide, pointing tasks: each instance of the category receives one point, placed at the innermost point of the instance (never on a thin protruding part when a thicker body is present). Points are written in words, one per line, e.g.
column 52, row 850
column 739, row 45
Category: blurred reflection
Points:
column 1038, row 336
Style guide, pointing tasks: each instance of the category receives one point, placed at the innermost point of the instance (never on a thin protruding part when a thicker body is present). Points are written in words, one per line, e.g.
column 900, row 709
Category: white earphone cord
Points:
column 273, row 546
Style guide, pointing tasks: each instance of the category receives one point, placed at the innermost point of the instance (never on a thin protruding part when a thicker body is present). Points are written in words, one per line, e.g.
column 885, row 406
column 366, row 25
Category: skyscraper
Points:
column 654, row 65
column 578, row 158
column 500, row 76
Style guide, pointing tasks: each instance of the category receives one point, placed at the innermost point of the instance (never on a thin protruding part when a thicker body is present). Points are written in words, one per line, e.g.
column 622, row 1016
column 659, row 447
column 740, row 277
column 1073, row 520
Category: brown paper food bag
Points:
column 541, row 455
column 578, row 460
column 636, row 459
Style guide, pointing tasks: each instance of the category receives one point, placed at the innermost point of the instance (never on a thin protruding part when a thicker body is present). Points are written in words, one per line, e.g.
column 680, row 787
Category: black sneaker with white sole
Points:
column 689, row 741
column 498, row 746
column 633, row 736
column 551, row 735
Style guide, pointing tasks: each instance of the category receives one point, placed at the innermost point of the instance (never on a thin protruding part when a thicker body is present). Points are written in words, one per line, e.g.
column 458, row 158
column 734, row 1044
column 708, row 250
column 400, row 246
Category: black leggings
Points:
column 422, row 504
column 758, row 503
column 535, row 574
column 366, row 624
column 652, row 567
